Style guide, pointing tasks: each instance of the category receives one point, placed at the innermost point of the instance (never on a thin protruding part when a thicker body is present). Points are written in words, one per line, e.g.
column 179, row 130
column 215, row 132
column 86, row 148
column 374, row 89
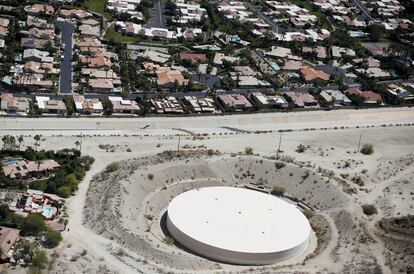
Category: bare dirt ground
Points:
column 114, row 217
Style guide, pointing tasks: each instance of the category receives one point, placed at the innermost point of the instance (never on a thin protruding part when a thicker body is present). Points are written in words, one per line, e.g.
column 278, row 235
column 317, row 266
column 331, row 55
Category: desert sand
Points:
column 114, row 219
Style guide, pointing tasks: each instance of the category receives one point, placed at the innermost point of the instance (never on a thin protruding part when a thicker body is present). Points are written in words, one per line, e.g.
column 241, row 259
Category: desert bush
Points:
column 150, row 176
column 39, row 260
column 169, row 240
column 278, row 191
column 308, row 213
column 280, row 165
column 369, row 209
column 248, row 150
column 358, row 180
column 52, row 238
column 112, row 167
column 367, row 149
column 300, row 148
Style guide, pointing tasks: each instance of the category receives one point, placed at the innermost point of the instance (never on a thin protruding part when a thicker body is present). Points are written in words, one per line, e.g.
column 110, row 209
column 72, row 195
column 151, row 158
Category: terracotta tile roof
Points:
column 292, row 65
column 170, row 77
column 369, row 96
column 302, row 99
column 23, row 168
column 193, row 57
column 96, row 62
column 310, row 74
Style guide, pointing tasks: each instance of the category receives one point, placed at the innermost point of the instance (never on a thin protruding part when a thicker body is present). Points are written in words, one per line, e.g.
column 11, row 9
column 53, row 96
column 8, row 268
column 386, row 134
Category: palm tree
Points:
column 37, row 139
column 5, row 140
column 12, row 141
column 20, row 140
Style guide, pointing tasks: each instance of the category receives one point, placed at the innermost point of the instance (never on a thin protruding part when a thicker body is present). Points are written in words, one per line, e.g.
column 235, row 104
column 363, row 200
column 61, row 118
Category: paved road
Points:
column 250, row 122
column 157, row 19
column 277, row 28
column 363, row 9
column 65, row 82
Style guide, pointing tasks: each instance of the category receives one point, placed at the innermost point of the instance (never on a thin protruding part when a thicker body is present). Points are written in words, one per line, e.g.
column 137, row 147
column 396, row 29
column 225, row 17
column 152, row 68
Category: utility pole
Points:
column 178, row 145
column 278, row 149
column 359, row 142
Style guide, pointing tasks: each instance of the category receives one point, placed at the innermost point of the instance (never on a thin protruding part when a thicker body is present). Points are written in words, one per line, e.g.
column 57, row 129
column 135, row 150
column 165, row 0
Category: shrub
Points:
column 367, row 149
column 72, row 182
column 278, row 191
column 301, row 148
column 248, row 150
column 308, row 213
column 169, row 240
column 112, row 167
column 52, row 238
column 280, row 165
column 33, row 225
column 39, row 259
column 150, row 176
column 358, row 180
column 24, row 251
column 64, row 191
column 369, row 209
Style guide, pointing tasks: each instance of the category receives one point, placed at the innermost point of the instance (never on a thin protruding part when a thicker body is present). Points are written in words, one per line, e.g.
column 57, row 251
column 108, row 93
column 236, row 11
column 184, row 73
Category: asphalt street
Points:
column 364, row 11
column 157, row 19
column 65, row 81
column 277, row 28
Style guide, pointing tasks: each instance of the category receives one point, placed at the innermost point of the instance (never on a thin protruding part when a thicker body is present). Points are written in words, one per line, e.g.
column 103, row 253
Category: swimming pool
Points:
column 47, row 212
column 9, row 161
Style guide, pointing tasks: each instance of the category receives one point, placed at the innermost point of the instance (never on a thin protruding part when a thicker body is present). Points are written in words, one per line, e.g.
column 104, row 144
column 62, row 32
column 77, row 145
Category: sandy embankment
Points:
column 387, row 176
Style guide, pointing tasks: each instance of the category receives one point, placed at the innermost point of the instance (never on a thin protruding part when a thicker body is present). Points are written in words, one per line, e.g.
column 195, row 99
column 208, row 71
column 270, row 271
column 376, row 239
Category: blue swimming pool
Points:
column 47, row 212
column 9, row 161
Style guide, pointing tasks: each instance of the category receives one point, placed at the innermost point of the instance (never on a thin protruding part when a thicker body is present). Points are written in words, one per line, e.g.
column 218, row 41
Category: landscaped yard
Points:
column 98, row 6
column 112, row 34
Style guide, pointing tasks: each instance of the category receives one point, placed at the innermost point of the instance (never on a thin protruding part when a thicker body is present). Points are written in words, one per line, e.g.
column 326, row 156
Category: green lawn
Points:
column 97, row 6
column 111, row 34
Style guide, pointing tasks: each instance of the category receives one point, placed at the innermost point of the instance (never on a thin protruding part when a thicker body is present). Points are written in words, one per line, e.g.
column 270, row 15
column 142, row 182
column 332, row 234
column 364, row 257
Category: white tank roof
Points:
column 239, row 220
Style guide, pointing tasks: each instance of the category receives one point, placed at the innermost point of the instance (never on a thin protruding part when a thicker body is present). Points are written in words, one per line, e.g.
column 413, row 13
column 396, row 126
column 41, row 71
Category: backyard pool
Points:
column 9, row 161
column 48, row 212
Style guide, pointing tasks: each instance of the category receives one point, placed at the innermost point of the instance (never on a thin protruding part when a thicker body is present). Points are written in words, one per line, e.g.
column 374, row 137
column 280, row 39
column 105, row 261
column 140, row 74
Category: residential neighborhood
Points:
column 202, row 50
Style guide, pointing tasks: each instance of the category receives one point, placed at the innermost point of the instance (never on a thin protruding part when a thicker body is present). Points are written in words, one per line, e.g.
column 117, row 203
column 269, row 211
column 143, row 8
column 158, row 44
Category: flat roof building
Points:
column 124, row 106
column 269, row 101
column 87, row 106
column 54, row 106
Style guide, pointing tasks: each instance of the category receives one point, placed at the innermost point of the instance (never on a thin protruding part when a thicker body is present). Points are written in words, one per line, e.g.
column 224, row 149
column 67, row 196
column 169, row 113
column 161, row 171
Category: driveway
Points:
column 65, row 82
